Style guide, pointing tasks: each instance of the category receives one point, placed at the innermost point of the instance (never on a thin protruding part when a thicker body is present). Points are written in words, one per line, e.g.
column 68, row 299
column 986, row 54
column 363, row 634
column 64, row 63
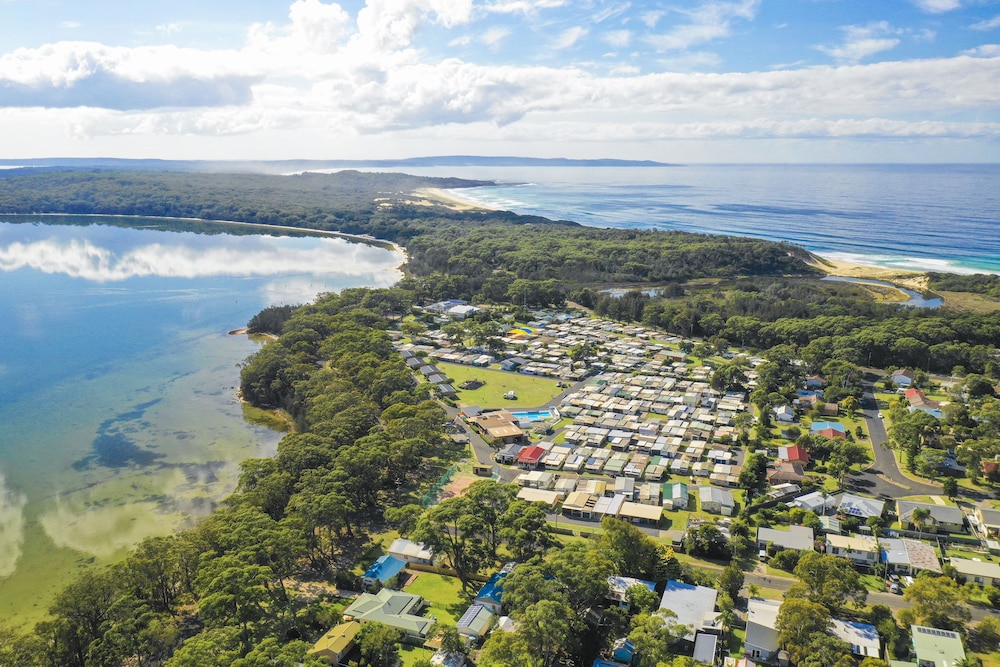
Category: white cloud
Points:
column 168, row 28
column 610, row 12
column 568, row 37
column 522, row 6
column 709, row 21
column 494, row 36
column 652, row 18
column 617, row 38
column 71, row 25
column 862, row 41
column 938, row 6
column 392, row 24
column 985, row 51
column 344, row 82
column 987, row 24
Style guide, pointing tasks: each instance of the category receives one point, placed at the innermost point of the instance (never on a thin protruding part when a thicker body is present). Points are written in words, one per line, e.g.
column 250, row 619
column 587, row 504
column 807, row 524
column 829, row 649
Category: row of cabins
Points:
column 429, row 372
column 549, row 456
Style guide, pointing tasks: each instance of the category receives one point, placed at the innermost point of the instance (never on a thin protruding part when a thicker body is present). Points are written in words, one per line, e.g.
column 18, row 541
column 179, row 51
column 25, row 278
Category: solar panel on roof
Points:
column 936, row 632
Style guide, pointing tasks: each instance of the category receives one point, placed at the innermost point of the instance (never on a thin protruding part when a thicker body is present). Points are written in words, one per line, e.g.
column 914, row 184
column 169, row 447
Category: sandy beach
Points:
column 431, row 196
column 915, row 280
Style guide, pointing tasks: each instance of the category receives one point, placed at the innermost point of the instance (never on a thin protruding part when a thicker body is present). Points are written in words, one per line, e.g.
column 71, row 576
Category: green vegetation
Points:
column 530, row 390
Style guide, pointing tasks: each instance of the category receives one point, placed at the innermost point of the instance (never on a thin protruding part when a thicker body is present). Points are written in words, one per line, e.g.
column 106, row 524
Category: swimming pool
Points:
column 535, row 415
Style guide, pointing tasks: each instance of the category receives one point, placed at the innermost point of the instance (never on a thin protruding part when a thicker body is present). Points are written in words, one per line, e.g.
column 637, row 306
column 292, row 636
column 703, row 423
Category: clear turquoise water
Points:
column 532, row 415
column 928, row 217
column 118, row 380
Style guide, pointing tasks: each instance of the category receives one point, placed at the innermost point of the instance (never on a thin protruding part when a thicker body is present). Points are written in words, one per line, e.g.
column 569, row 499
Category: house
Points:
column 863, row 637
column 784, row 413
column 618, row 588
column 861, row 549
column 943, row 518
column 794, row 454
column 508, row 455
column 461, row 312
column 903, row 377
column 411, row 552
column 475, row 623
column 815, row 382
column 694, row 607
column 829, row 430
column 716, row 500
column 799, row 538
column 384, row 571
column 581, row 505
column 623, row 651
column 706, row 646
column 984, row 573
column 512, row 363
column 830, row 433
column 529, row 457
column 639, row 513
column 333, row 647
column 907, row 557
column 393, row 608
column 817, row 502
column 785, row 473
column 675, row 495
column 492, row 591
column 859, row 506
column 761, row 632
column 936, row 648
column 988, row 521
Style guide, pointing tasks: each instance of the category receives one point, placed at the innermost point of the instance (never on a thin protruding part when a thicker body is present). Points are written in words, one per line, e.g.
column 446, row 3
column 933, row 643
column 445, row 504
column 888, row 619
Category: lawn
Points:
column 531, row 391
column 443, row 594
column 409, row 654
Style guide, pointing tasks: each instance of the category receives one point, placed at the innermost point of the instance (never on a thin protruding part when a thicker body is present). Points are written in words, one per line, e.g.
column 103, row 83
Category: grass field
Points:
column 443, row 594
column 531, row 391
column 409, row 654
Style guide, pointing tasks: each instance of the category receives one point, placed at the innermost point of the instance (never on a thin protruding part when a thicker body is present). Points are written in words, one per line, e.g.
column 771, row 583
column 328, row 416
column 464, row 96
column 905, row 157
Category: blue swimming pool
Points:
column 535, row 415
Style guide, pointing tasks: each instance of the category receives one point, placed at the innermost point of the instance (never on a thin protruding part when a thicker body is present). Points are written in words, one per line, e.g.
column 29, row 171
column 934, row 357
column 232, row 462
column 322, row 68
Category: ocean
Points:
column 920, row 217
column 118, row 403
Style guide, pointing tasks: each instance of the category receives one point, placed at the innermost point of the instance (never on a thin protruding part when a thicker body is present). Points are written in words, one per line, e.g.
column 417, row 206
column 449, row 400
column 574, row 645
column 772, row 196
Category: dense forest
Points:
column 977, row 283
column 455, row 254
column 810, row 315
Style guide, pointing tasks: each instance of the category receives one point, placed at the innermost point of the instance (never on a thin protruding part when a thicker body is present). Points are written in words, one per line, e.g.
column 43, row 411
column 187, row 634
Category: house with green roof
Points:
column 334, row 646
column 392, row 608
column 933, row 648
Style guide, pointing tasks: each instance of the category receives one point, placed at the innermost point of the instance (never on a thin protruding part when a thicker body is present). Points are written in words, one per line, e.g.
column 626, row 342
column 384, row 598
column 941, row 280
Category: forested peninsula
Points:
column 253, row 584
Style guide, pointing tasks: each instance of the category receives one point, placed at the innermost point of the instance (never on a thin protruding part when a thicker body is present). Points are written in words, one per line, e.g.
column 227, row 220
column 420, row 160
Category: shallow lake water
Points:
column 119, row 416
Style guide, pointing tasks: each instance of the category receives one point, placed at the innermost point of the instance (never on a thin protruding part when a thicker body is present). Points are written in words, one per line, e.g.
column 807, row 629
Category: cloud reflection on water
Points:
column 11, row 528
column 259, row 256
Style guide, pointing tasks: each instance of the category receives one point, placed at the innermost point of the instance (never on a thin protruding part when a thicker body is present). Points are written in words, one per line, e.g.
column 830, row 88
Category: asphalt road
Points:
column 883, row 478
column 891, row 600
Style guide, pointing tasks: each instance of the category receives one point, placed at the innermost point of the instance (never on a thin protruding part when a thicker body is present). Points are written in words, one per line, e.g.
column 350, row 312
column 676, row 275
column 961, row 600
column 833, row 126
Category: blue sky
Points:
column 684, row 81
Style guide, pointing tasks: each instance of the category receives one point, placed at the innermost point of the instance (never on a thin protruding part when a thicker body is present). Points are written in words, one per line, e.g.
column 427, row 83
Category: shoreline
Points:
column 446, row 198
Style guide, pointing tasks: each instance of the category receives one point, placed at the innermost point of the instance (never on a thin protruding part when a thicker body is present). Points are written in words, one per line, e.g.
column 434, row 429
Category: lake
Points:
column 118, row 401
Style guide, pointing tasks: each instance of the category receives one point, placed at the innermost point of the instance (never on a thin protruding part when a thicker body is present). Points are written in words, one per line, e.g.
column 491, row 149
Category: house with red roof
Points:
column 794, row 454
column 530, row 457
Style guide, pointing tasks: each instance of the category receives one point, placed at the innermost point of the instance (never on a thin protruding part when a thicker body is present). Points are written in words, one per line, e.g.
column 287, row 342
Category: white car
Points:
column 880, row 416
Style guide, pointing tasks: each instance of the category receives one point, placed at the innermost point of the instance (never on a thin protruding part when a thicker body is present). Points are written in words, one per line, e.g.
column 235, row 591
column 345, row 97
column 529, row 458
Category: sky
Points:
column 683, row 81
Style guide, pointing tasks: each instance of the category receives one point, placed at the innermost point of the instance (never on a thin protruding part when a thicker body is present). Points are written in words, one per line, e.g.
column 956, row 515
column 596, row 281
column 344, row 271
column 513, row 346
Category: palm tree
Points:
column 919, row 518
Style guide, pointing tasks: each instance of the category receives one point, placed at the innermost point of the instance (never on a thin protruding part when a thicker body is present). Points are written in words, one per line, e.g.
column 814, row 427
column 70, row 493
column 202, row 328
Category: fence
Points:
column 431, row 496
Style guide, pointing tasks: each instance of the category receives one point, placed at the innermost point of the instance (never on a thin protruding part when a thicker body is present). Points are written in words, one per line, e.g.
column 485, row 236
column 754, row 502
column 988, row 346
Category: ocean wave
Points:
column 907, row 263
